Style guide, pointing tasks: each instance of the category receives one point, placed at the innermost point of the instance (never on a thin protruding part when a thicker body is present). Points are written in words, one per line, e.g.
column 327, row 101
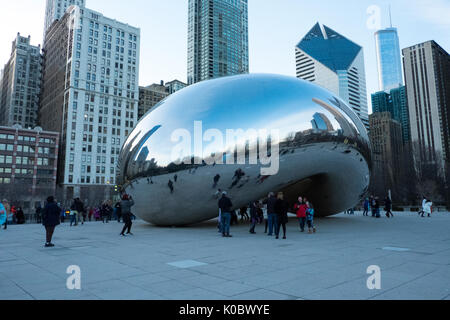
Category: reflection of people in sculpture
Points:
column 175, row 178
column 238, row 174
column 170, row 184
column 216, row 180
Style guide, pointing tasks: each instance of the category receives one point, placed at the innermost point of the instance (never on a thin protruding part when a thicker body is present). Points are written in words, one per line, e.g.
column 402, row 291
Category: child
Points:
column 310, row 218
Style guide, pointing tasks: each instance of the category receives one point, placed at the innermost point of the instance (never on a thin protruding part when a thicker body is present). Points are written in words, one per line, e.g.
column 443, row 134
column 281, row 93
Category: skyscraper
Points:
column 427, row 75
column 217, row 39
column 90, row 95
column 55, row 9
column 387, row 147
column 21, row 84
column 331, row 60
column 395, row 102
column 388, row 59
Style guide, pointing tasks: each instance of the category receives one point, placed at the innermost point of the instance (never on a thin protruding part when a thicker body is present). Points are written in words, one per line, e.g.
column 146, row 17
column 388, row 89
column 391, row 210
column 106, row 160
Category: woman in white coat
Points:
column 427, row 208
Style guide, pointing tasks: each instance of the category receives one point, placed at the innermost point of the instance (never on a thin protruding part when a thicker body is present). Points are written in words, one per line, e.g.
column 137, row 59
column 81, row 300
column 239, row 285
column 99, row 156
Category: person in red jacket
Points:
column 300, row 208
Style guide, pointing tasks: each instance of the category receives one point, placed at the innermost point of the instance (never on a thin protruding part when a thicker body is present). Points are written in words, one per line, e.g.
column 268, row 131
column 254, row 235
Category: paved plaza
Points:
column 197, row 263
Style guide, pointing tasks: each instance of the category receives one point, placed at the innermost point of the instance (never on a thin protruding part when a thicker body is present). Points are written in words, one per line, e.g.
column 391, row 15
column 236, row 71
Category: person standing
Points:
column 4, row 213
column 301, row 208
column 253, row 216
column 281, row 208
column 73, row 213
column 372, row 205
column 388, row 207
column 377, row 207
column 118, row 211
column 225, row 206
column 50, row 219
column 20, row 216
column 310, row 218
column 271, row 213
column 126, row 204
column 38, row 213
column 366, row 207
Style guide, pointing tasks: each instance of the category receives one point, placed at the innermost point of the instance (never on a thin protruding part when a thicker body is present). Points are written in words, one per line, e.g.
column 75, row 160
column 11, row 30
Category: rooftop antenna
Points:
column 390, row 15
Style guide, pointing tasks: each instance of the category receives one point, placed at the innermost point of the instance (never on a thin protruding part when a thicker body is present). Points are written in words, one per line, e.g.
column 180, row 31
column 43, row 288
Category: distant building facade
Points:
column 395, row 102
column 427, row 75
column 174, row 86
column 21, row 84
column 90, row 95
column 334, row 62
column 55, row 9
column 149, row 97
column 28, row 163
column 388, row 59
column 387, row 149
column 217, row 39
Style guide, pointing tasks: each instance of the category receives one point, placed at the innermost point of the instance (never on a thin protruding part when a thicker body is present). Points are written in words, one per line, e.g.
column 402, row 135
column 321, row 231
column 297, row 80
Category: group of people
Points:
column 273, row 211
column 14, row 214
column 373, row 205
column 52, row 214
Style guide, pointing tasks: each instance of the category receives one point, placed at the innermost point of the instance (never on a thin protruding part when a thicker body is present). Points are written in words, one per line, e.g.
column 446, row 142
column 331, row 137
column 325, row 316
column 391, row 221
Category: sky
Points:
column 275, row 27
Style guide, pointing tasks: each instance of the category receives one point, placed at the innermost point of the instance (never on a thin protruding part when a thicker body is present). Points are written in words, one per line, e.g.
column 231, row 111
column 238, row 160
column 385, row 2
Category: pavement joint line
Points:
column 405, row 283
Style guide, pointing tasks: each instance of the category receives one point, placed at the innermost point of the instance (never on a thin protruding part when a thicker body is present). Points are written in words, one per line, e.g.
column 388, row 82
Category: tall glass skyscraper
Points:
column 217, row 39
column 389, row 59
column 395, row 102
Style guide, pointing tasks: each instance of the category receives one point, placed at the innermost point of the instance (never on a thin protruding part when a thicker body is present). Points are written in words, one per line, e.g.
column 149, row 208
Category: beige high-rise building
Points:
column 427, row 75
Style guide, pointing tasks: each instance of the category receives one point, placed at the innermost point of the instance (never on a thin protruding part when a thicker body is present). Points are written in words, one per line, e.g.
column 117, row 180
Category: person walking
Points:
column 79, row 207
column 4, row 213
column 225, row 206
column 310, row 218
column 281, row 208
column 388, row 207
column 126, row 204
column 366, row 207
column 427, row 209
column 50, row 219
column 300, row 208
column 271, row 213
column 253, row 216
column 424, row 202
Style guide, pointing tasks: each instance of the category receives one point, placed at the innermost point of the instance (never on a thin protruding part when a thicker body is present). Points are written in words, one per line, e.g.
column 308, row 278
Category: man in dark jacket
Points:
column 271, row 213
column 125, row 205
column 50, row 219
column 225, row 206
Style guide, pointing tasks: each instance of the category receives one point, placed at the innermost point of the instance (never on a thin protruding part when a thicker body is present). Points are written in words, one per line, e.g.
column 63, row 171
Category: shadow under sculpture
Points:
column 171, row 163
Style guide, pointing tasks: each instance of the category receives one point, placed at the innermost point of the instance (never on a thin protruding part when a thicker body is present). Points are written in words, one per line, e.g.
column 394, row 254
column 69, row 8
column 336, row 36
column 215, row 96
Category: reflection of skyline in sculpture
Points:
column 322, row 147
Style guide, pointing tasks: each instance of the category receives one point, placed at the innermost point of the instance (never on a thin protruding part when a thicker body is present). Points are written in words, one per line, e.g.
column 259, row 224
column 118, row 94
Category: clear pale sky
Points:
column 275, row 27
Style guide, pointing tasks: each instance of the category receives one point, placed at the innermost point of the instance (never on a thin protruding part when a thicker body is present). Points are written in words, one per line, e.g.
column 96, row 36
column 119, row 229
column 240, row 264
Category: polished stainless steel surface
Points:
column 324, row 150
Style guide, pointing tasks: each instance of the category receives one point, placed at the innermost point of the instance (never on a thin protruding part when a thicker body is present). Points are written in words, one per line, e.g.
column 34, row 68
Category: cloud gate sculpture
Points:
column 246, row 135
